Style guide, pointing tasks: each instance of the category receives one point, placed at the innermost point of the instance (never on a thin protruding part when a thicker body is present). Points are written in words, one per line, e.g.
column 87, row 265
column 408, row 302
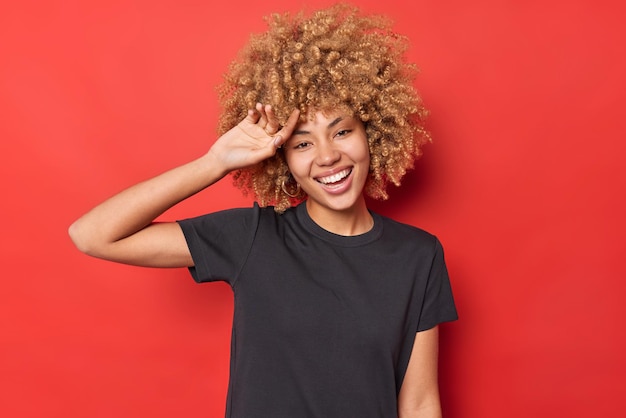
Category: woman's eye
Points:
column 301, row 145
column 343, row 132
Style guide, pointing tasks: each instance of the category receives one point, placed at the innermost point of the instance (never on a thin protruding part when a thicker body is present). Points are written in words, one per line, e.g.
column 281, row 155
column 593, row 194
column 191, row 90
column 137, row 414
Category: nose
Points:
column 327, row 154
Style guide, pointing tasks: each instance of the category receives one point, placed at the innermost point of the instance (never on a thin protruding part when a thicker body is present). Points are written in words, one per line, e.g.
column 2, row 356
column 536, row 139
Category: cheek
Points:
column 365, row 153
column 295, row 165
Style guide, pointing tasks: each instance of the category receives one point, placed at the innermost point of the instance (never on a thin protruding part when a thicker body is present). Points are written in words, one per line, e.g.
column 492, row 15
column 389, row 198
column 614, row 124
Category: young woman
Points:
column 336, row 307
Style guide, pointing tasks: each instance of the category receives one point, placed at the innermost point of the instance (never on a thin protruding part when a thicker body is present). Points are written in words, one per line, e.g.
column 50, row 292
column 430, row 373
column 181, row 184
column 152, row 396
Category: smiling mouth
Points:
column 335, row 178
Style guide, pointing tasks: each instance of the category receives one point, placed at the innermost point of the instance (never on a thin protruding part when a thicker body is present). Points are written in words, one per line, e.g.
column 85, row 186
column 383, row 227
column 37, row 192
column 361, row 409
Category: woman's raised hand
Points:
column 254, row 139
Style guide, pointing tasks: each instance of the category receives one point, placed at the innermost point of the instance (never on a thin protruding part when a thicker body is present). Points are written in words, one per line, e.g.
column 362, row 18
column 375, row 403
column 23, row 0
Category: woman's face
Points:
column 329, row 157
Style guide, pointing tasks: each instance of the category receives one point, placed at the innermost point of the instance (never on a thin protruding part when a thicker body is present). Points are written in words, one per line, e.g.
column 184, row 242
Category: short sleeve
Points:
column 220, row 242
column 439, row 303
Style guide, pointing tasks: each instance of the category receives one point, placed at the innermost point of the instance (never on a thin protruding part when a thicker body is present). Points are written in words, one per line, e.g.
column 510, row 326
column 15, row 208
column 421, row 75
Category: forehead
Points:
column 324, row 119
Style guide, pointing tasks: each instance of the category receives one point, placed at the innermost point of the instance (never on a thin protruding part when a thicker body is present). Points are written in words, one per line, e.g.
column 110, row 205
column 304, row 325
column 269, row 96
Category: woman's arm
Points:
column 122, row 228
column 419, row 395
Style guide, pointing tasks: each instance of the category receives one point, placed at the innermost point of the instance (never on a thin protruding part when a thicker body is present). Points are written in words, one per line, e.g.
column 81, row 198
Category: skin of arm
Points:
column 122, row 228
column 419, row 394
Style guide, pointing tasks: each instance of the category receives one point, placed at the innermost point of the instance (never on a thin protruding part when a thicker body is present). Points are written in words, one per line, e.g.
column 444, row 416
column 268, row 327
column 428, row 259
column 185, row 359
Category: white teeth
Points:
column 335, row 177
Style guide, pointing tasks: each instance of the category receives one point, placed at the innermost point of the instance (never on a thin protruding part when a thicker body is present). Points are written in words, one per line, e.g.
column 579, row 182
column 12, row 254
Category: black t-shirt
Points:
column 323, row 324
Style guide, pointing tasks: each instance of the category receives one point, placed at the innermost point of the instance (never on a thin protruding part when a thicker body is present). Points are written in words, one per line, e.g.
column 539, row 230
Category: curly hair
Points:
column 336, row 58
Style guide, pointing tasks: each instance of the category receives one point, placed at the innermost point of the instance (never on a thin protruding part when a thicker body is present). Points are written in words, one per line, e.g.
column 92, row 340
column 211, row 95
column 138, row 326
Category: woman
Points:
column 336, row 307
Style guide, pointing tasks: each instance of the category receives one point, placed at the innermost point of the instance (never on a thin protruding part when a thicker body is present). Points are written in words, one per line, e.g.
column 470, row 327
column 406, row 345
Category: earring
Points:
column 295, row 194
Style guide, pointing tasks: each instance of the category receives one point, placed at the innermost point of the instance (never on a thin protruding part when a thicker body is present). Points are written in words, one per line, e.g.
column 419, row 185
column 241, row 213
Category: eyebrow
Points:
column 330, row 125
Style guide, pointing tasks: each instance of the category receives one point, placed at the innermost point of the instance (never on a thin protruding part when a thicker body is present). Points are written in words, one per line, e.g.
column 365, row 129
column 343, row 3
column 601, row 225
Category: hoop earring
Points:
column 284, row 188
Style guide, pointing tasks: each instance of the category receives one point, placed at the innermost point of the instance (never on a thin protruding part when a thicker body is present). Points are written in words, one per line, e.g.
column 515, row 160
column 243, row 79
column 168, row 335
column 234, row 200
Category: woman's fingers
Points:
column 260, row 109
column 263, row 117
column 285, row 132
column 267, row 119
column 253, row 116
column 272, row 123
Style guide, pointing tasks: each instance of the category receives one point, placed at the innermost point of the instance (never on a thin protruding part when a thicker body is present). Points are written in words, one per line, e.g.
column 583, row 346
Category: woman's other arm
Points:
column 419, row 395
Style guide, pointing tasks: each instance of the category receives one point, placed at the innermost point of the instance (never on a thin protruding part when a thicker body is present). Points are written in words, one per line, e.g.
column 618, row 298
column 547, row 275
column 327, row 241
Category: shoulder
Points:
column 241, row 217
column 244, row 217
column 408, row 233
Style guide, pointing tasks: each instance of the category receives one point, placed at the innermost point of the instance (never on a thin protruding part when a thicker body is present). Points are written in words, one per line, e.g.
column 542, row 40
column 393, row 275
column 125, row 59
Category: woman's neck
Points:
column 356, row 220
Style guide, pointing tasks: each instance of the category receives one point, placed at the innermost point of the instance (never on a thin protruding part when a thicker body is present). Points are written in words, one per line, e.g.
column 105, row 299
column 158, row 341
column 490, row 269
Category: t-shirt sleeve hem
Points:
column 432, row 324
column 200, row 269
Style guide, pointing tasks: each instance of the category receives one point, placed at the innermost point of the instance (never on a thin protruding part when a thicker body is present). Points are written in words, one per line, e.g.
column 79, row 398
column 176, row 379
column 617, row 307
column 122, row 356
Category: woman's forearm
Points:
column 136, row 207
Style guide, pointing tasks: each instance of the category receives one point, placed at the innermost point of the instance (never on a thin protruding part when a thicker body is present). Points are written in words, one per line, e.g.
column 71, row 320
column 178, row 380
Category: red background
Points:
column 523, row 184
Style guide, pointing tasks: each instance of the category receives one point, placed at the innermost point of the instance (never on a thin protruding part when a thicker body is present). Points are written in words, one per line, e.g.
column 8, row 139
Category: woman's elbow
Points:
column 81, row 238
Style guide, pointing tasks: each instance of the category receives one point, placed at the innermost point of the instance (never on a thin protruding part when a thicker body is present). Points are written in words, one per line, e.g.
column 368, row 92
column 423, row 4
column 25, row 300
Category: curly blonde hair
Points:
column 334, row 59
